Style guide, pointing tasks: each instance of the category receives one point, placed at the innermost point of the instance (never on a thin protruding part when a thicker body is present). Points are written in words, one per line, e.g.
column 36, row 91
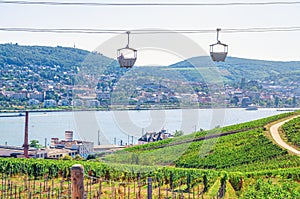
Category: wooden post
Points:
column 77, row 175
column 149, row 188
column 139, row 186
column 159, row 190
column 129, row 191
column 100, row 188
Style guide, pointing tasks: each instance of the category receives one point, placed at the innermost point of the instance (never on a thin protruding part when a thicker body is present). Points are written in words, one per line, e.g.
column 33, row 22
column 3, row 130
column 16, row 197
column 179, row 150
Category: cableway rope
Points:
column 149, row 31
column 58, row 3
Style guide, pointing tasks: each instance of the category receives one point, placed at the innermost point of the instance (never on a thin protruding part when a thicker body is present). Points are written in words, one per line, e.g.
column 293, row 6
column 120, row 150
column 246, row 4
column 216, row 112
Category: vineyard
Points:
column 32, row 178
column 247, row 149
column 237, row 161
column 292, row 131
column 233, row 128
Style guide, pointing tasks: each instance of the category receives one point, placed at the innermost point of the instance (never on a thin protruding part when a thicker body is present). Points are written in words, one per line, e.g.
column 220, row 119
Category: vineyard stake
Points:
column 77, row 175
column 149, row 188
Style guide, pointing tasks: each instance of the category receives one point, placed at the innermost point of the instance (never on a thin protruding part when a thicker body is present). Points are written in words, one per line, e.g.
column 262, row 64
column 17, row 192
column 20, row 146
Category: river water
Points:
column 108, row 127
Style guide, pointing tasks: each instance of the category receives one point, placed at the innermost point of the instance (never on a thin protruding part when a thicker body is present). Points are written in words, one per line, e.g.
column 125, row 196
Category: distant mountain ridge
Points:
column 233, row 69
column 14, row 54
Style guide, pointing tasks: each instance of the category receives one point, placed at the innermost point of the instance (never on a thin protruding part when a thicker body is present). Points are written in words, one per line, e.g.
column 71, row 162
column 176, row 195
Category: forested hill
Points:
column 236, row 68
column 71, row 58
column 14, row 54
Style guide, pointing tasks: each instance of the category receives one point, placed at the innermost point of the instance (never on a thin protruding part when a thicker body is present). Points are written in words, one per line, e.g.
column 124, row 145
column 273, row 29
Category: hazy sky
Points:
column 269, row 46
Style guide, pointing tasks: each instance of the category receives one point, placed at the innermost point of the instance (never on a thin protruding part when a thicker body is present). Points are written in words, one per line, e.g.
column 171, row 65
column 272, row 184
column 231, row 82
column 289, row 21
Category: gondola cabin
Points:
column 219, row 55
column 218, row 51
column 127, row 56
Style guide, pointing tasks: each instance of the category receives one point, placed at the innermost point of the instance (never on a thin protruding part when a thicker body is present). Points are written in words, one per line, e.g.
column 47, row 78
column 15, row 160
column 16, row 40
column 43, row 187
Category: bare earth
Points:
column 275, row 134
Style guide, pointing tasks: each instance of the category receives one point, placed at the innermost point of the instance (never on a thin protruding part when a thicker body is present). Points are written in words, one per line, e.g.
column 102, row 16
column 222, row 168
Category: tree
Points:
column 35, row 144
column 66, row 157
column 90, row 157
column 78, row 157
column 178, row 133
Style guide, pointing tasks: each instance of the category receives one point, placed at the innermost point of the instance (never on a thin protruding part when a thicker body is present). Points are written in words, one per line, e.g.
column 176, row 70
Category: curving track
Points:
column 275, row 134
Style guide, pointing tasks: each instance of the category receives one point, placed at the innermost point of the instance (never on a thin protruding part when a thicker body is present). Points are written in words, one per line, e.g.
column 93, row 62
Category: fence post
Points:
column 149, row 188
column 77, row 175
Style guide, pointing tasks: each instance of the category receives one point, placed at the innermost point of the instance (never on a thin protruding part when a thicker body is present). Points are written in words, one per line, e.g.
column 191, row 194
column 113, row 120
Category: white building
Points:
column 33, row 102
column 77, row 103
column 37, row 96
column 92, row 103
column 50, row 103
column 83, row 148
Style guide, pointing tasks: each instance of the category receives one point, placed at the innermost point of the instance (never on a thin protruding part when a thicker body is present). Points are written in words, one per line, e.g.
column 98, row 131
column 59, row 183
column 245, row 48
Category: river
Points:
column 107, row 126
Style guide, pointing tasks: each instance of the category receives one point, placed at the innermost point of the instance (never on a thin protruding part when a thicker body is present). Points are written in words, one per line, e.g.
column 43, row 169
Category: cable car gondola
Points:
column 218, row 56
column 124, row 60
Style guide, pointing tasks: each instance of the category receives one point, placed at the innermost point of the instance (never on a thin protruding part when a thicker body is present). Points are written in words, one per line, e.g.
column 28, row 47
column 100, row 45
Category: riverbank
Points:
column 133, row 108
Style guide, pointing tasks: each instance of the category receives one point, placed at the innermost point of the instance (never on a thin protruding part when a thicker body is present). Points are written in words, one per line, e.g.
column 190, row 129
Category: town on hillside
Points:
column 45, row 87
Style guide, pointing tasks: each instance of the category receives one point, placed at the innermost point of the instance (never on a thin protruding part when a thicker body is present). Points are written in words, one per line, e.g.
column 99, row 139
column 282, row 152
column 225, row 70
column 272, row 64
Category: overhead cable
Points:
column 148, row 31
column 59, row 3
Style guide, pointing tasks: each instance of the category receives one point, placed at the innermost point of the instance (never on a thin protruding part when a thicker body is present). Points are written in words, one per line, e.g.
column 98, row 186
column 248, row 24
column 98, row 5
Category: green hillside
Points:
column 70, row 58
column 242, row 147
column 233, row 69
column 255, row 166
column 15, row 54
column 291, row 130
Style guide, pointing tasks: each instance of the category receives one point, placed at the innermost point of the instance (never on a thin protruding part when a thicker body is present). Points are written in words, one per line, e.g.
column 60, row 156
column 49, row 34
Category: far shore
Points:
column 134, row 109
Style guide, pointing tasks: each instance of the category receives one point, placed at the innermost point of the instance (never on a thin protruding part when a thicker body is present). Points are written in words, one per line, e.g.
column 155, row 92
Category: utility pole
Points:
column 132, row 140
column 98, row 137
column 26, row 145
column 128, row 140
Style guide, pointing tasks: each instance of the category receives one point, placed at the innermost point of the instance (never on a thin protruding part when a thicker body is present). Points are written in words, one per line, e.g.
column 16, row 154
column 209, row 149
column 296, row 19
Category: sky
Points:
column 278, row 46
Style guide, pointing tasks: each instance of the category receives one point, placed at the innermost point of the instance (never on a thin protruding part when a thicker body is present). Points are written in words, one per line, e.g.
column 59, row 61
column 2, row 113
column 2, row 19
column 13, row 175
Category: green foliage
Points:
column 264, row 169
column 178, row 133
column 267, row 189
column 292, row 131
column 66, row 157
column 78, row 157
column 178, row 178
column 222, row 189
column 230, row 151
column 117, row 172
column 236, row 181
column 46, row 56
column 35, row 144
column 91, row 157
column 235, row 68
column 246, row 150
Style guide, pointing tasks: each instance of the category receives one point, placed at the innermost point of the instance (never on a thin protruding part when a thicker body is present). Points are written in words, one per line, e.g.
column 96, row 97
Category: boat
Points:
column 13, row 115
column 251, row 107
column 154, row 136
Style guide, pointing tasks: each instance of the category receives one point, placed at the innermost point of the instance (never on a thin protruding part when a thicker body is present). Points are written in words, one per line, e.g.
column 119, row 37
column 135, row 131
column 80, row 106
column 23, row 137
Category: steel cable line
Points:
column 58, row 3
column 148, row 31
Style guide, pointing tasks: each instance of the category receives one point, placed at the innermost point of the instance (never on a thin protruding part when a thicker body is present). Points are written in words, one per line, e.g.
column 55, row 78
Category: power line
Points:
column 57, row 3
column 149, row 31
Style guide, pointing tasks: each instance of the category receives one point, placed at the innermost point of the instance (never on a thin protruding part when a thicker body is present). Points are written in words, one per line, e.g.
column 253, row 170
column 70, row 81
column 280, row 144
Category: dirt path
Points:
column 275, row 134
